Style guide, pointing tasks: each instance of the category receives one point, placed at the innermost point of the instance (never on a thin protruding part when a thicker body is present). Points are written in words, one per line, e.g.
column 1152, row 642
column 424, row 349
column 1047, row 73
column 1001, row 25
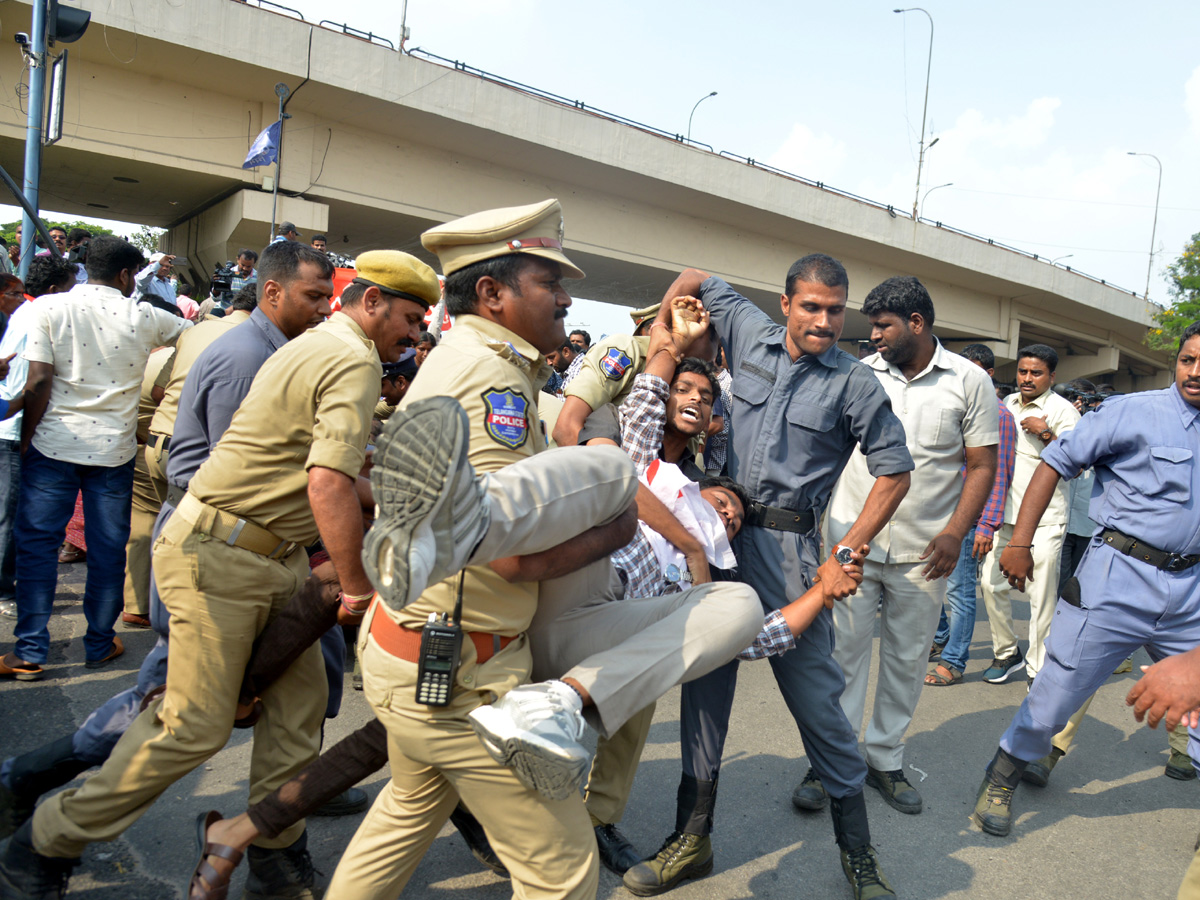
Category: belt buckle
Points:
column 1176, row 562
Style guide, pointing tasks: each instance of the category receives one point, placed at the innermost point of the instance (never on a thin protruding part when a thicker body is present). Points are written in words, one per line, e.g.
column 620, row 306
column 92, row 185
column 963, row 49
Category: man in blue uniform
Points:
column 1140, row 574
column 800, row 407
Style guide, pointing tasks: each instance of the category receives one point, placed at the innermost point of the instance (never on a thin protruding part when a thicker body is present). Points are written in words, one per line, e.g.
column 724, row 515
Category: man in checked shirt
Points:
column 670, row 403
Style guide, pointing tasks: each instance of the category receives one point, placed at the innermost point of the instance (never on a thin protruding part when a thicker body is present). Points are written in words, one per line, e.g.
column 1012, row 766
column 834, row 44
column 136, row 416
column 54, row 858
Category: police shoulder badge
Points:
column 615, row 363
column 506, row 417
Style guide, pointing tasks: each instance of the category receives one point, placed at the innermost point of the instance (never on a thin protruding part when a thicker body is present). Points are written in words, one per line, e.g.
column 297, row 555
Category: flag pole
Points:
column 281, row 91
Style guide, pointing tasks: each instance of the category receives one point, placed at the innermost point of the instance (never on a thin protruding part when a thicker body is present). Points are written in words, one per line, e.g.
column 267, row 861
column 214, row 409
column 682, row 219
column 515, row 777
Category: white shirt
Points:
column 947, row 407
column 1060, row 417
column 98, row 341
column 18, row 370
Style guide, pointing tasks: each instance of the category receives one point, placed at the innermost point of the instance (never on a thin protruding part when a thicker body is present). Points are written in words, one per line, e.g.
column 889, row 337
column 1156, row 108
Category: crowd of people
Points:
column 532, row 535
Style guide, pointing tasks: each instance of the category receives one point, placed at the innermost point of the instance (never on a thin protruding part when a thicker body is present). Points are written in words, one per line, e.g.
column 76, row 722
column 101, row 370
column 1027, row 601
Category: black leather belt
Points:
column 160, row 440
column 1160, row 559
column 175, row 494
column 781, row 519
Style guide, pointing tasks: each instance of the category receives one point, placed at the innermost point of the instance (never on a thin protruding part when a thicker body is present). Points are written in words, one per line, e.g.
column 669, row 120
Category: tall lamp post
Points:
column 1154, row 227
column 698, row 102
column 925, row 108
column 930, row 191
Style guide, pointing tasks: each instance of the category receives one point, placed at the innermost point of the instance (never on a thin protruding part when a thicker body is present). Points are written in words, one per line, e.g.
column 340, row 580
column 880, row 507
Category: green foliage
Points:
column 9, row 230
column 146, row 238
column 1185, row 300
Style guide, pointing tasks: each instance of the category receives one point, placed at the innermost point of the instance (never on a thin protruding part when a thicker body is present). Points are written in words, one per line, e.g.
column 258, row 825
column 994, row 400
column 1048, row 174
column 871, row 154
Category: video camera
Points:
column 222, row 284
column 1089, row 400
column 79, row 253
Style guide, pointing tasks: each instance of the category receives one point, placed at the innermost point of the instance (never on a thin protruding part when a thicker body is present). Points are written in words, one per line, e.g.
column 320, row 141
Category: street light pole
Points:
column 930, row 191
column 33, row 131
column 925, row 108
column 1154, row 227
column 698, row 102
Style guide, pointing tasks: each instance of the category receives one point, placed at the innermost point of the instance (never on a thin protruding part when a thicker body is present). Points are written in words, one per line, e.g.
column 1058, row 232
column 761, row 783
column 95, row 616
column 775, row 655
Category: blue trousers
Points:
column 1127, row 604
column 957, row 625
column 48, row 491
column 10, row 489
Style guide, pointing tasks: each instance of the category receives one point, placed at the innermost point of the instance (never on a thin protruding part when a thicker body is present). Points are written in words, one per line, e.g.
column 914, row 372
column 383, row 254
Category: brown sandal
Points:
column 206, row 882
column 935, row 678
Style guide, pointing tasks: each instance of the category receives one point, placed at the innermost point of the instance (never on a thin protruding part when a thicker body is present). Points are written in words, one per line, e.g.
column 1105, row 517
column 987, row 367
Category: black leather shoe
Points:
column 617, row 854
column 347, row 803
column 810, row 793
column 477, row 842
column 27, row 875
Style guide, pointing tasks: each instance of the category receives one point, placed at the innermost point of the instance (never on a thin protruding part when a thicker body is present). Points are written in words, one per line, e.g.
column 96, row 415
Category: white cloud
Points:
column 818, row 157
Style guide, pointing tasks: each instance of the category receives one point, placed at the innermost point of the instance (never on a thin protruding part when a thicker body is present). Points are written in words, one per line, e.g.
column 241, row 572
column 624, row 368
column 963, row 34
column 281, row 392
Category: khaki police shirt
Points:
column 608, row 370
column 1060, row 418
column 310, row 405
column 383, row 410
column 497, row 377
column 946, row 408
column 189, row 346
column 160, row 359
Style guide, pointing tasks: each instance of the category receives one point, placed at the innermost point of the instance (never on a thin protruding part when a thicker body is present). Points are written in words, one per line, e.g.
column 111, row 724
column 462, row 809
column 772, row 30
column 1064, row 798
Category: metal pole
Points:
column 33, row 131
column 281, row 91
column 1154, row 228
column 930, row 191
column 698, row 102
column 403, row 25
column 925, row 108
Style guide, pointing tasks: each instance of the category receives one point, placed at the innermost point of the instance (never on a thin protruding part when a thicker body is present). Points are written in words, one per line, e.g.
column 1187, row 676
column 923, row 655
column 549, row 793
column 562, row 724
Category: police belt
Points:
column 781, row 519
column 1135, row 549
column 405, row 643
column 234, row 531
column 160, row 440
column 175, row 494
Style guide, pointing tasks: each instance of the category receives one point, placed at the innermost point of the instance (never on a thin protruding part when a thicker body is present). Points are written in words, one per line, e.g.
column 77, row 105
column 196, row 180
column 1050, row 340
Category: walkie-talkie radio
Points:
column 441, row 648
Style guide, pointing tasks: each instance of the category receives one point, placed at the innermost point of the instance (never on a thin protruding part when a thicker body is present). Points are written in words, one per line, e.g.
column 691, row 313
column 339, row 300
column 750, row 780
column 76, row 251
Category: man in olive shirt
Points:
column 283, row 474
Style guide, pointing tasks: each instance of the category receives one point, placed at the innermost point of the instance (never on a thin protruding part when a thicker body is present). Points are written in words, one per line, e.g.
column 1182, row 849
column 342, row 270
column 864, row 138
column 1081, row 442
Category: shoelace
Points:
column 674, row 847
column 998, row 793
column 862, row 863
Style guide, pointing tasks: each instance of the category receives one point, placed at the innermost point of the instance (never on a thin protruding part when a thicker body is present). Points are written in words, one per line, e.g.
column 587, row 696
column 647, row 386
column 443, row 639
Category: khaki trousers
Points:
column 219, row 598
column 908, row 608
column 547, row 845
column 156, row 466
column 146, row 503
column 610, row 781
column 1042, row 593
column 1190, row 889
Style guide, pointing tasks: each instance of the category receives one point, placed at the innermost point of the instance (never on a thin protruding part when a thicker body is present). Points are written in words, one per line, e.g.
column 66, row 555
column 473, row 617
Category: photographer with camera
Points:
column 78, row 241
column 153, row 284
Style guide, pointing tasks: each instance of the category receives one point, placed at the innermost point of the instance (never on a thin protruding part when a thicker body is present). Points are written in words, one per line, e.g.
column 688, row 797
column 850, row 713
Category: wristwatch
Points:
column 844, row 555
column 1046, row 435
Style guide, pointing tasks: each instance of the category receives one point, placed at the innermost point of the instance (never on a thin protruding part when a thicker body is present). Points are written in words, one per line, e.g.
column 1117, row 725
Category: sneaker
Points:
column 1038, row 773
column 535, row 729
column 861, row 866
column 810, row 794
column 285, row 874
column 27, row 875
column 993, row 807
column 8, row 609
column 431, row 511
column 1180, row 767
column 895, row 789
column 682, row 856
column 1000, row 669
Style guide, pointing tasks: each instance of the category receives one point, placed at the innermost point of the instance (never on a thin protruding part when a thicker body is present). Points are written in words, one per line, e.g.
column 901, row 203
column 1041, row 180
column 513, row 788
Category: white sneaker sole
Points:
column 416, row 458
column 554, row 772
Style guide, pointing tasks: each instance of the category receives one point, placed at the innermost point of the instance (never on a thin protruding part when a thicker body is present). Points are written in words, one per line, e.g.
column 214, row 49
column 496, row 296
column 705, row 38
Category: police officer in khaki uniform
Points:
column 170, row 383
column 283, row 474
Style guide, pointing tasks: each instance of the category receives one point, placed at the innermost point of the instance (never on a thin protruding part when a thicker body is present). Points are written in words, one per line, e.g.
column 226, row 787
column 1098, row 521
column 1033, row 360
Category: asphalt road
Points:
column 1108, row 826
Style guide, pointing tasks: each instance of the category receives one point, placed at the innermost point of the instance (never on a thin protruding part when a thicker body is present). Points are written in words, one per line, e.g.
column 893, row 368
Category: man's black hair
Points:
column 1188, row 333
column 281, row 262
column 245, row 299
column 700, row 367
column 730, row 485
column 901, row 296
column 108, row 255
column 1042, row 352
column 979, row 353
column 187, row 290
column 1082, row 385
column 460, row 286
column 54, row 228
column 816, row 268
column 47, row 271
column 587, row 338
column 566, row 345
column 320, row 237
column 427, row 337
column 251, row 255
column 76, row 235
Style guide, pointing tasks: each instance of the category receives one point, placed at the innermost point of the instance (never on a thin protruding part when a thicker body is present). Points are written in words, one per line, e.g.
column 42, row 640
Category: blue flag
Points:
column 265, row 149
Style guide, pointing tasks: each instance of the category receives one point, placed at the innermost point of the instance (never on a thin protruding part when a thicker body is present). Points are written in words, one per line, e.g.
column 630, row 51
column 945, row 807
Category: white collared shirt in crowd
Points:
column 1060, row 418
column 15, row 337
column 98, row 341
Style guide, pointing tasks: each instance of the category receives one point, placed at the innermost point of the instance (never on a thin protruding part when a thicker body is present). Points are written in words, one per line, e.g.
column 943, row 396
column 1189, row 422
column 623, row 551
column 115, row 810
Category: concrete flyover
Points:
column 163, row 101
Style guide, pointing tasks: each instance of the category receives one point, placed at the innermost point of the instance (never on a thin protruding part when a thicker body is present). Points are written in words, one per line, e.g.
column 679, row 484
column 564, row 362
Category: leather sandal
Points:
column 935, row 678
column 206, row 882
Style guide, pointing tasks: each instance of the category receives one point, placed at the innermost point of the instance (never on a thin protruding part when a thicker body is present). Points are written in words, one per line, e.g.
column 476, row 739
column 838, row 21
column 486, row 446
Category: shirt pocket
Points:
column 1170, row 473
column 751, row 390
column 813, row 412
column 938, row 428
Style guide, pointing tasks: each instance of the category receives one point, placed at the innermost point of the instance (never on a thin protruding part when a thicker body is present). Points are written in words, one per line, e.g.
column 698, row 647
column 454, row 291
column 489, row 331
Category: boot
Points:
column 27, row 875
column 993, row 806
column 32, row 774
column 285, row 874
column 859, row 860
column 682, row 856
column 810, row 793
column 1038, row 773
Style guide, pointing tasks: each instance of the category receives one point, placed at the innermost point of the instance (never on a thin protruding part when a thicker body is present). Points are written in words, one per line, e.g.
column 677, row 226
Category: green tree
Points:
column 1184, row 274
column 10, row 230
column 146, row 238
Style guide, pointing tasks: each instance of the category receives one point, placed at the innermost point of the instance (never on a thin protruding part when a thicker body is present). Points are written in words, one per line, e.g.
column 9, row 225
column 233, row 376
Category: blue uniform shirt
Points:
column 215, row 387
column 795, row 424
column 1143, row 448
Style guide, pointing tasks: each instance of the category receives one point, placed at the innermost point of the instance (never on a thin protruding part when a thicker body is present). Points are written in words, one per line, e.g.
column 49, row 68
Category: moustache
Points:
column 560, row 313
